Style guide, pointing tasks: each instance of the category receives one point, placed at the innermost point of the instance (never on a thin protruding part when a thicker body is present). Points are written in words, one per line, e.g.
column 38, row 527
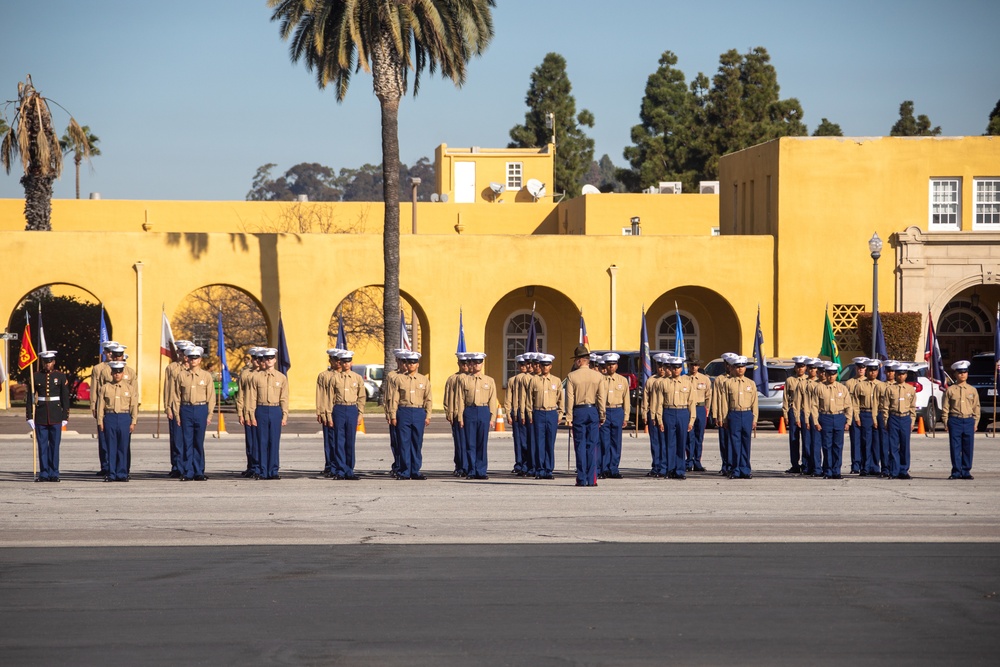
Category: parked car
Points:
column 234, row 387
column 372, row 374
column 929, row 392
column 778, row 370
column 982, row 370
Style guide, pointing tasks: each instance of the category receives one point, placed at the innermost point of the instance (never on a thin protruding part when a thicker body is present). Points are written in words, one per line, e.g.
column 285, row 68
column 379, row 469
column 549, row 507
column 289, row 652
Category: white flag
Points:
column 166, row 338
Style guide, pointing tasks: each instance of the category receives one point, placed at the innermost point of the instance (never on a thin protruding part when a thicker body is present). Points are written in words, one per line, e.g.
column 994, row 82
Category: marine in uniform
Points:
column 739, row 404
column 449, row 401
column 388, row 387
column 347, row 394
column 885, row 455
column 586, row 404
column 169, row 384
column 674, row 401
column 96, row 378
column 46, row 409
column 854, row 431
column 545, row 398
column 792, row 414
column 812, row 457
column 960, row 412
column 512, row 408
column 866, row 395
column 833, row 411
column 324, row 408
column 718, row 417
column 900, row 409
column 117, row 353
column 476, row 409
column 701, row 387
column 117, row 410
column 409, row 404
column 193, row 404
column 654, row 417
column 532, row 369
column 616, row 416
column 267, row 401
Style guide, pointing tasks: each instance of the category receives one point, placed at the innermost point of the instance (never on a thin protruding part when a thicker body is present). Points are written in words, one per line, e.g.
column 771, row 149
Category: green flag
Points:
column 829, row 347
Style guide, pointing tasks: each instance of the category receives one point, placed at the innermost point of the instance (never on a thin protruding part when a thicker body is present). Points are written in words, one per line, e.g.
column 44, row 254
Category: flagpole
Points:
column 34, row 436
column 159, row 396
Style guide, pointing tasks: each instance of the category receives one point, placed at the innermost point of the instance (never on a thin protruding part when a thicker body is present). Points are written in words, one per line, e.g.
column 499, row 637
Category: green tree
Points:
column 81, row 150
column 603, row 175
column 908, row 126
column 993, row 128
column 32, row 138
column 827, row 129
column 315, row 181
column 550, row 93
column 387, row 38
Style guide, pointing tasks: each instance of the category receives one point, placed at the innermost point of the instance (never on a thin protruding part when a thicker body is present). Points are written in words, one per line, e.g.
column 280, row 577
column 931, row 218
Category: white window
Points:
column 516, row 335
column 945, row 208
column 986, row 201
column 514, row 174
column 666, row 333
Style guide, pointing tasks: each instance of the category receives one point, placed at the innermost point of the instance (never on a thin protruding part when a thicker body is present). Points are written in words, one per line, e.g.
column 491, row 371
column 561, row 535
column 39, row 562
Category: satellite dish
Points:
column 444, row 196
column 535, row 188
column 589, row 189
column 434, row 196
column 497, row 188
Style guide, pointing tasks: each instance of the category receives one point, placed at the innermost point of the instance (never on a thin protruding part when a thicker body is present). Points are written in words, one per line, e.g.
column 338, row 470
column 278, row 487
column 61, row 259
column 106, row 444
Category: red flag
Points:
column 27, row 355
column 166, row 338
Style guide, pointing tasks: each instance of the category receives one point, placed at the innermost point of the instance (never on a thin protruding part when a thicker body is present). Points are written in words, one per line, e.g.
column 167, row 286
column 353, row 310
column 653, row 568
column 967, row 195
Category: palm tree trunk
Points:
column 77, row 159
column 37, row 202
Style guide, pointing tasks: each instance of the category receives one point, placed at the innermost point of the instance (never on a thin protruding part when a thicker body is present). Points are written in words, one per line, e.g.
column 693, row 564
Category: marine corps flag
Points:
column 27, row 355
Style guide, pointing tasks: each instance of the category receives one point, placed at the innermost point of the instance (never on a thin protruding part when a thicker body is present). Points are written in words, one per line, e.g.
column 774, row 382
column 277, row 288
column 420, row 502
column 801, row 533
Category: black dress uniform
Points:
column 48, row 404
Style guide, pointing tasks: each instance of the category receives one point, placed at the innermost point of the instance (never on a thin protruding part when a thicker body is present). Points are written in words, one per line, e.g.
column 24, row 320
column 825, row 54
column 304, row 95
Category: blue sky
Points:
column 190, row 97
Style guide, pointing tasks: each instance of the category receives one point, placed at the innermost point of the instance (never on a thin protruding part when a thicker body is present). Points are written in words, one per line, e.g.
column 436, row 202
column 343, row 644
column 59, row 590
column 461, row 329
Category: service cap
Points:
column 960, row 366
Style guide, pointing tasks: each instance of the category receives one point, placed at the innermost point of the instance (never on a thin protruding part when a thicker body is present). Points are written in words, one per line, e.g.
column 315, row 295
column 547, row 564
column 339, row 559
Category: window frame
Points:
column 957, row 204
column 977, row 203
column 511, row 176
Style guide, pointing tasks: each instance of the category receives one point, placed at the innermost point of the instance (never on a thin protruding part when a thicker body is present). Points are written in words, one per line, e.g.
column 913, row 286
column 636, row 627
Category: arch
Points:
column 515, row 338
column 666, row 332
column 965, row 325
column 558, row 315
column 716, row 325
column 244, row 322
column 364, row 322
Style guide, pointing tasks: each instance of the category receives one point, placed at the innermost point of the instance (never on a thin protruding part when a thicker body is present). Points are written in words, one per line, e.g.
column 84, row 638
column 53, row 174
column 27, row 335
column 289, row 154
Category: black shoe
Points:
column 863, row 473
column 177, row 473
column 352, row 477
column 579, row 483
column 328, row 474
column 122, row 480
column 699, row 468
column 256, row 477
column 419, row 476
column 651, row 474
column 855, row 472
column 794, row 470
column 904, row 475
column 339, row 478
column 615, row 475
column 515, row 471
column 954, row 477
column 817, row 474
column 594, row 484
column 102, row 473
column 748, row 477
column 200, row 478
column 521, row 473
column 108, row 479
column 186, row 479
column 41, row 479
column 547, row 475
column 681, row 477
column 968, row 477
column 838, row 477
column 275, row 477
column 733, row 476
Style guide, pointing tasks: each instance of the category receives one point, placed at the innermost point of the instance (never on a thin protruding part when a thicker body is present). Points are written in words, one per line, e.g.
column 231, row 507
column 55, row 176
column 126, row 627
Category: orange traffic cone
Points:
column 361, row 425
column 781, row 425
column 500, row 427
column 920, row 426
column 222, row 424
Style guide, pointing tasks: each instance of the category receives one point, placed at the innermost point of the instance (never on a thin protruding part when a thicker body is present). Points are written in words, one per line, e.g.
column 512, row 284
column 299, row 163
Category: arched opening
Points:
column 364, row 325
column 709, row 323
column 557, row 327
column 243, row 324
column 966, row 325
column 70, row 318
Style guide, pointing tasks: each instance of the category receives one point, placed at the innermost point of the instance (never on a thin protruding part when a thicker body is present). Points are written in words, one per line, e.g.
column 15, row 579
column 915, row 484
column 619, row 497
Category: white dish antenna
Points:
column 435, row 197
column 444, row 197
column 589, row 189
column 497, row 189
column 535, row 188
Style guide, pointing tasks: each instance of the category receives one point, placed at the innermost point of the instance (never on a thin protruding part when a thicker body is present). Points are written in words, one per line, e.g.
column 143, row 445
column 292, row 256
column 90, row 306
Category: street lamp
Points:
column 875, row 247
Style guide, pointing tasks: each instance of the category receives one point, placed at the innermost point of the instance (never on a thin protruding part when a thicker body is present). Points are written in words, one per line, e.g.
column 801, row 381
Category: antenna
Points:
column 589, row 189
column 535, row 188
column 435, row 197
column 497, row 189
column 444, row 197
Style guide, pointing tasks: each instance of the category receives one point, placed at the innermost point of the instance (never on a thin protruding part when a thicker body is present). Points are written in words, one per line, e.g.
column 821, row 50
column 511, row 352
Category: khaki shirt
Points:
column 169, row 383
column 701, row 385
column 476, row 390
column 117, row 397
column 585, row 386
column 899, row 399
column 833, row 398
column 808, row 399
column 449, row 399
column 793, row 386
column 867, row 395
column 739, row 393
column 243, row 382
column 960, row 400
column 675, row 394
column 96, row 380
column 718, row 390
column 523, row 395
column 410, row 391
column 268, row 387
column 128, row 377
column 388, row 387
column 324, row 396
column 347, row 388
column 193, row 386
column 618, row 393
column 512, row 396
column 545, row 393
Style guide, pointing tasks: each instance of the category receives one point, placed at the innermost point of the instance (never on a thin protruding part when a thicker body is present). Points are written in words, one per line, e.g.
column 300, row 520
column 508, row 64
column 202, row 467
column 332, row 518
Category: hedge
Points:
column 901, row 331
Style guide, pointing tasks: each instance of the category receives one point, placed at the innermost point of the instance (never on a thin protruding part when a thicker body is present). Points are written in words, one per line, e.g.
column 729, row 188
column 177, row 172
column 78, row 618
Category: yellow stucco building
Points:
column 788, row 233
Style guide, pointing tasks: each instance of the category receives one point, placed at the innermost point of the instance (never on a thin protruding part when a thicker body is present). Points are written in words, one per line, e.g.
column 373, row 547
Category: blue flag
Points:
column 461, row 334
column 224, row 377
column 760, row 375
column 880, row 352
column 679, row 350
column 103, row 338
column 645, row 365
column 284, row 361
column 341, row 333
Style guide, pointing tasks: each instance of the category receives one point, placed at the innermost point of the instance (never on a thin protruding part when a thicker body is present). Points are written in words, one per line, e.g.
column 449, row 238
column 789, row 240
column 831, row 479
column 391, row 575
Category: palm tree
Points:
column 32, row 138
column 387, row 38
column 81, row 150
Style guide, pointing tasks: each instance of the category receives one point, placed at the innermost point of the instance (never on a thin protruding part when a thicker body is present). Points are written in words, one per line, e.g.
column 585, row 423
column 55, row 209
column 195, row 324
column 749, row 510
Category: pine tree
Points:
column 908, row 126
column 828, row 129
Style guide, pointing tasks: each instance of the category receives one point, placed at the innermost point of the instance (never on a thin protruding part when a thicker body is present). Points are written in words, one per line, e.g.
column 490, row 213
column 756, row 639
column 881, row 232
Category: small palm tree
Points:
column 81, row 150
column 32, row 138
column 387, row 38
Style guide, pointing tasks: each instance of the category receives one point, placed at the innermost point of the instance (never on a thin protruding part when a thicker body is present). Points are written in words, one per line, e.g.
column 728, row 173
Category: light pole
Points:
column 875, row 246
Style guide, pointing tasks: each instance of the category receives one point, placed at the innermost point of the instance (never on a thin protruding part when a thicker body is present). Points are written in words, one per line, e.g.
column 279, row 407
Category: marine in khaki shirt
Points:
column 545, row 393
column 119, row 398
column 867, row 395
column 193, row 386
column 674, row 393
column 347, row 388
column 899, row 399
column 523, row 390
column 449, row 400
column 409, row 390
column 738, row 394
column 618, row 393
column 794, row 384
column 701, row 387
column 960, row 400
column 585, row 386
column 324, row 395
column 268, row 387
column 833, row 398
column 475, row 389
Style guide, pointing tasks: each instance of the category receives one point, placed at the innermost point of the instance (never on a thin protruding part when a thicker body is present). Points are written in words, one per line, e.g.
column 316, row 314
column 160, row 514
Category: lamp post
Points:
column 875, row 246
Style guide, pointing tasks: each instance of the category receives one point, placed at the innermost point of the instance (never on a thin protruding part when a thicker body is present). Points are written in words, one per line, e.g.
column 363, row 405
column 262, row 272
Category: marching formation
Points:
column 594, row 401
